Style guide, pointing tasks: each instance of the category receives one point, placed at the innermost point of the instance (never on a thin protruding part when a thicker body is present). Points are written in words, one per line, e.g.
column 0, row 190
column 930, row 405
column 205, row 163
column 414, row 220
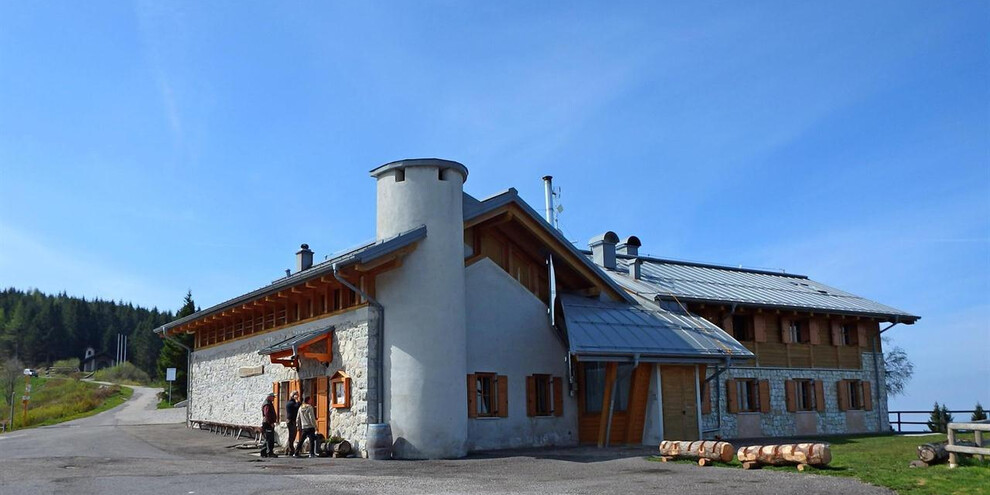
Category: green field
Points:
column 883, row 461
column 54, row 400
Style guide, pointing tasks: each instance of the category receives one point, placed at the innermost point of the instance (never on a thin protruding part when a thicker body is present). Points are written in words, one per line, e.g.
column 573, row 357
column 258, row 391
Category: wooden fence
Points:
column 925, row 415
column 979, row 450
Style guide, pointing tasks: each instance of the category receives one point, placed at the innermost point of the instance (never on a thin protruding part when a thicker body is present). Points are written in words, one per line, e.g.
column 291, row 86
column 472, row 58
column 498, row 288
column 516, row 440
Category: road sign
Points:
column 25, row 398
column 170, row 374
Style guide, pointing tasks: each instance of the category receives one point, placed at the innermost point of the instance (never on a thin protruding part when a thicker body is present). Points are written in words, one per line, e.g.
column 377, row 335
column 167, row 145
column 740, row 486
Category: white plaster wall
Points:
column 220, row 395
column 509, row 334
column 424, row 314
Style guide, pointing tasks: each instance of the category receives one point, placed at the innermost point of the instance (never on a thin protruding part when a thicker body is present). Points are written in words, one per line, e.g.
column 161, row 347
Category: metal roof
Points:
column 473, row 208
column 295, row 341
column 605, row 330
column 712, row 283
column 361, row 254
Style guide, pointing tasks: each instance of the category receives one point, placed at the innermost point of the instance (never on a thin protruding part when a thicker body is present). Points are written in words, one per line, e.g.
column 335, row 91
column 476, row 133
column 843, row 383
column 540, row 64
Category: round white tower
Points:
column 425, row 329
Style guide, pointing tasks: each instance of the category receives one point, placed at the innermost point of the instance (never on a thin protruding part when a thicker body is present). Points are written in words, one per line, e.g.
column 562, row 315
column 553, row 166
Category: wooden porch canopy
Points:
column 317, row 344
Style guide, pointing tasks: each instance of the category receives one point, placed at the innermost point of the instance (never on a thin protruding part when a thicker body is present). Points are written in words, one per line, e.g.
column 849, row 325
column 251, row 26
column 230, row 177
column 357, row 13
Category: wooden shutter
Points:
column 819, row 395
column 759, row 328
column 785, row 331
column 731, row 399
column 843, row 395
column 867, row 397
column 558, row 396
column 322, row 406
column 790, row 393
column 764, row 395
column 530, row 395
column 706, row 397
column 836, row 333
column 472, row 395
column 861, row 333
column 503, row 396
column 727, row 324
column 815, row 329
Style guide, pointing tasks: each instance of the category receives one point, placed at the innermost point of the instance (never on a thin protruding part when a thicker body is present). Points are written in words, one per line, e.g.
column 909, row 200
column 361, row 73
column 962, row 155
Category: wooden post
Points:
column 978, row 436
column 953, row 458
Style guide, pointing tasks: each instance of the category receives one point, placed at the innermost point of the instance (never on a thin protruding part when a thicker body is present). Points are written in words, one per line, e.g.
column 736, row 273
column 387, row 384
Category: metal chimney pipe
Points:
column 548, row 193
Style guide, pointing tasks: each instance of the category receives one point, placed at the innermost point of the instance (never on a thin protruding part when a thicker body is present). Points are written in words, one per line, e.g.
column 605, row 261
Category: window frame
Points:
column 805, row 397
column 340, row 380
column 748, row 393
column 849, row 333
column 745, row 332
column 854, row 391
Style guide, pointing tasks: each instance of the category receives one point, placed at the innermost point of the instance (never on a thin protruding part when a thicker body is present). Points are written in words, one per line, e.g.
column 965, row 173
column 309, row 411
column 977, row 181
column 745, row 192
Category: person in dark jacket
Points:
column 291, row 410
column 269, row 416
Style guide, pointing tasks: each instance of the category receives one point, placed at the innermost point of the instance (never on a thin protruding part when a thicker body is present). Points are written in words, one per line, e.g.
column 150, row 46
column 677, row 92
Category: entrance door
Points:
column 680, row 405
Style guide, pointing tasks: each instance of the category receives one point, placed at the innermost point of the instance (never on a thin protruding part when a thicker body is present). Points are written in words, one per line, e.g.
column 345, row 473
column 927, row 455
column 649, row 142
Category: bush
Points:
column 125, row 373
column 979, row 414
column 71, row 364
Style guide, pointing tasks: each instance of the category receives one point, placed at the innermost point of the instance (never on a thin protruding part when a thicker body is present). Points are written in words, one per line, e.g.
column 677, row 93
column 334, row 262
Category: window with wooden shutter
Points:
column 276, row 389
column 759, row 328
column 867, row 396
column 790, row 395
column 820, row 396
column 742, row 328
column 842, row 387
column 472, row 395
column 706, row 397
column 531, row 395
column 861, row 334
column 558, row 396
column 764, row 396
column 815, row 331
column 787, row 331
column 731, row 399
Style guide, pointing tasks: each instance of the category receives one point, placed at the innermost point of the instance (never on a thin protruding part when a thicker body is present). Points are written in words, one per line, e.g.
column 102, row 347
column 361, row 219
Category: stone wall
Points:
column 220, row 395
column 781, row 423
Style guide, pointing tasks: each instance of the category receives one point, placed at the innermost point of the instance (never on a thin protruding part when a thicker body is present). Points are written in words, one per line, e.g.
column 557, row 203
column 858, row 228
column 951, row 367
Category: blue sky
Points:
column 148, row 148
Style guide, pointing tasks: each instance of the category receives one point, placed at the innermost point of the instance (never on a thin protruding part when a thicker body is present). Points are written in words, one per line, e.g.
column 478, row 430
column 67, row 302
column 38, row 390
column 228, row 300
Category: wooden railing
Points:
column 926, row 415
column 977, row 427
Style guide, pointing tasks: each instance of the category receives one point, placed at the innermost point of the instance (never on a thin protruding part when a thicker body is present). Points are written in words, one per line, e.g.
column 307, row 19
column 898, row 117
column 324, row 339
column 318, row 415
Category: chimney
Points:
column 636, row 268
column 630, row 247
column 304, row 258
column 603, row 249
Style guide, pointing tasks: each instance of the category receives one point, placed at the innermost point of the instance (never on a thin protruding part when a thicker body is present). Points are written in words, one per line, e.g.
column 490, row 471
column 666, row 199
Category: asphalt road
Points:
column 137, row 449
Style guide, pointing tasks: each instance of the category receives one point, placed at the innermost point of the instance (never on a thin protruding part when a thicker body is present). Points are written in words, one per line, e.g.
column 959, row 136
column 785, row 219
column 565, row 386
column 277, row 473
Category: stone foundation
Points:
column 781, row 423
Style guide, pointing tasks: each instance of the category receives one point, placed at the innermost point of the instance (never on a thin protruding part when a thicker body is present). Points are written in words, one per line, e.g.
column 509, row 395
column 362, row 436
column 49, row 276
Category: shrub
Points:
column 123, row 373
column 66, row 365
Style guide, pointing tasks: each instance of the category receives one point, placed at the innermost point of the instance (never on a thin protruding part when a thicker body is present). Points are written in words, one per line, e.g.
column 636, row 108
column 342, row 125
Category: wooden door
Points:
column 680, row 405
column 322, row 406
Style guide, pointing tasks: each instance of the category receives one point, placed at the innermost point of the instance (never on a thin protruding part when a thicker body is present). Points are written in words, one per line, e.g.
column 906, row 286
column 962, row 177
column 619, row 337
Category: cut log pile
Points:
column 800, row 454
column 705, row 451
column 930, row 454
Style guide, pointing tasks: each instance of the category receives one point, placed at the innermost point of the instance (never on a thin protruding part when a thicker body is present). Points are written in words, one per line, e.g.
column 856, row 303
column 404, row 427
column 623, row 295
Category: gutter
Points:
column 380, row 323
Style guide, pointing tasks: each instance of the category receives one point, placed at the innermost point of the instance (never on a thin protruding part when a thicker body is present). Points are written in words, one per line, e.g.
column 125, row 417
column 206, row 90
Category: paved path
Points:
column 138, row 449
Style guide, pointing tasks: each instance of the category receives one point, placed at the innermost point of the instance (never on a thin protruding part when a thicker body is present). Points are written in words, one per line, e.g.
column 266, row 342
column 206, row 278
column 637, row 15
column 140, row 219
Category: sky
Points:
column 150, row 148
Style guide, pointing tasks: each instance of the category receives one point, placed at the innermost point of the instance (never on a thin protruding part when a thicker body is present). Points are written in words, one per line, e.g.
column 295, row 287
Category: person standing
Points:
column 291, row 411
column 269, row 416
column 307, row 427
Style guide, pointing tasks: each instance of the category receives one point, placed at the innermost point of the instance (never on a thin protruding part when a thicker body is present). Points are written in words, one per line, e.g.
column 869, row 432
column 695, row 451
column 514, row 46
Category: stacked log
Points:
column 800, row 454
column 706, row 451
column 930, row 454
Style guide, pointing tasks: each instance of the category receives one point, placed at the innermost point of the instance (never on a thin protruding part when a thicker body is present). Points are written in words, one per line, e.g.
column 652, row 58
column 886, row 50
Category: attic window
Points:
column 440, row 174
column 400, row 175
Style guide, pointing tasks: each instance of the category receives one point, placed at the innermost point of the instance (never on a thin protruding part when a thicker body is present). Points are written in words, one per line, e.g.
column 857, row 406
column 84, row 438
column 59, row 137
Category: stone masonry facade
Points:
column 779, row 422
column 220, row 395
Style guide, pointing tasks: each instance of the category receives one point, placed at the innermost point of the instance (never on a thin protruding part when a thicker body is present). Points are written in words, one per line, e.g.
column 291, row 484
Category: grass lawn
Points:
column 883, row 461
column 55, row 400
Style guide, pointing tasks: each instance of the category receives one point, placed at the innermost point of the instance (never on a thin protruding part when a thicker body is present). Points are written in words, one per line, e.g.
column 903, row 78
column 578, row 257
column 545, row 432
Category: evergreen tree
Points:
column 979, row 414
column 939, row 419
column 173, row 355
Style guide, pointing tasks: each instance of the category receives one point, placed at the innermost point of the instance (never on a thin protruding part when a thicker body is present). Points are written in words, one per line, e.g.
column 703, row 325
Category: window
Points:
column 854, row 391
column 340, row 390
column 488, row 395
column 594, row 386
column 804, row 395
column 544, row 395
column 796, row 331
column 283, row 398
column 849, row 334
column 748, row 394
column 742, row 328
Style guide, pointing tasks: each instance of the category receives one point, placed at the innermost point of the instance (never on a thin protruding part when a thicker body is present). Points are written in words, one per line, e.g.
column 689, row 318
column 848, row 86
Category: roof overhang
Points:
column 316, row 345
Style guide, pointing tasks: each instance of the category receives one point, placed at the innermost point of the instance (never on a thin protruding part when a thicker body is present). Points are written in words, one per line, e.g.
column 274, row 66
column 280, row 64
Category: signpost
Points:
column 170, row 377
column 27, row 395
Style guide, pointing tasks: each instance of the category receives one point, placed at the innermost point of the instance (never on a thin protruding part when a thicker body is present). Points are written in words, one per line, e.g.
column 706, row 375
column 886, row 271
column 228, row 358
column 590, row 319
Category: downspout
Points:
column 611, row 402
column 380, row 344
column 876, row 369
column 189, row 398
column 718, row 396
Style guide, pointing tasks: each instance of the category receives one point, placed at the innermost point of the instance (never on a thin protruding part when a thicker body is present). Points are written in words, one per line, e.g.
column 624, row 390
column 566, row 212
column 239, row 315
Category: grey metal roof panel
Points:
column 361, row 254
column 599, row 328
column 295, row 340
column 477, row 208
column 698, row 282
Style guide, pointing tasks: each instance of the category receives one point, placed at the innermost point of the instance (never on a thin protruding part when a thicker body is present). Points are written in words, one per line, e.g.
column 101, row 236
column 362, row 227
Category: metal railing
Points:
column 927, row 416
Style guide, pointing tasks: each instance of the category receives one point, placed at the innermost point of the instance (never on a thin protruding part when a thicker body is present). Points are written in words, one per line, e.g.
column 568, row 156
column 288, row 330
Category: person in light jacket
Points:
column 306, row 419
